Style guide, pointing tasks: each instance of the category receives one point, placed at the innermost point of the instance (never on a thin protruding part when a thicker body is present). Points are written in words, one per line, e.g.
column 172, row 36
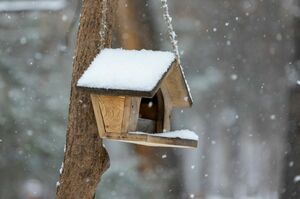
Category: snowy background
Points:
column 240, row 59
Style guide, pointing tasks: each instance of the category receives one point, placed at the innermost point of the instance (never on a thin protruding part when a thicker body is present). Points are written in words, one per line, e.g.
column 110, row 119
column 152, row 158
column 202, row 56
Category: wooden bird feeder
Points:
column 133, row 93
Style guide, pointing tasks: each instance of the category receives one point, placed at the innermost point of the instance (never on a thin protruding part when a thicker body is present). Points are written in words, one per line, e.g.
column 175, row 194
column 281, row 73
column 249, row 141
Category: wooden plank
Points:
column 177, row 87
column 112, row 109
column 171, row 142
column 153, row 141
column 134, row 115
column 168, row 107
column 128, row 137
column 126, row 114
column 98, row 114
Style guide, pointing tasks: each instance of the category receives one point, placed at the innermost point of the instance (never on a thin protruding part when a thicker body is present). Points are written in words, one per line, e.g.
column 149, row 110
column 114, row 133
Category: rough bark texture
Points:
column 85, row 158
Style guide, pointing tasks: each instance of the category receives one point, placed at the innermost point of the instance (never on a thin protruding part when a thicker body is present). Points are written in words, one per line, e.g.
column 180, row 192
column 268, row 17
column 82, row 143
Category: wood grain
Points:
column 98, row 114
column 177, row 87
column 134, row 115
column 112, row 109
column 154, row 141
column 126, row 114
column 168, row 107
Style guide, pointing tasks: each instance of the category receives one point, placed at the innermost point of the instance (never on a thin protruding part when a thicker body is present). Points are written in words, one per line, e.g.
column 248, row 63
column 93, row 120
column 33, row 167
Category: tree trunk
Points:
column 85, row 158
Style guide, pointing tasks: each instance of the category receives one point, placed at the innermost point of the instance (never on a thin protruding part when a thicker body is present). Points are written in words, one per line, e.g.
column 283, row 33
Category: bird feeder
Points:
column 133, row 93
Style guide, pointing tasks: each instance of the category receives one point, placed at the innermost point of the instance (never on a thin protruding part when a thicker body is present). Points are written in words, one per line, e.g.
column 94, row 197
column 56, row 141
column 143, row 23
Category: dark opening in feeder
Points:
column 133, row 93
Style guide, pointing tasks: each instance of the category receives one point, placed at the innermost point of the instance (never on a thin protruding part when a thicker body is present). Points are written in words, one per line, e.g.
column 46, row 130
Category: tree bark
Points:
column 85, row 158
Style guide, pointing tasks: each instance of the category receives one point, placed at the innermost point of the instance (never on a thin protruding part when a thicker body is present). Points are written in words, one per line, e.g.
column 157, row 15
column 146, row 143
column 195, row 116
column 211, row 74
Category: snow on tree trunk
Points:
column 85, row 158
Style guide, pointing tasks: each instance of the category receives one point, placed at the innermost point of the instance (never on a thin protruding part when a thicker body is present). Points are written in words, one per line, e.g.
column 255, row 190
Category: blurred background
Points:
column 241, row 59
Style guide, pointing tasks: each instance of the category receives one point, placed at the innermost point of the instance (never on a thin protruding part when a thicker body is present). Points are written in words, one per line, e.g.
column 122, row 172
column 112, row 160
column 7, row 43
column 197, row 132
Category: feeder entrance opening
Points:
column 151, row 114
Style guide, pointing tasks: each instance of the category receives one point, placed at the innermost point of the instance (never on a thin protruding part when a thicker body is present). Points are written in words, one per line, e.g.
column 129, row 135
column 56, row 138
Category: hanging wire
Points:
column 174, row 42
column 103, row 25
column 171, row 32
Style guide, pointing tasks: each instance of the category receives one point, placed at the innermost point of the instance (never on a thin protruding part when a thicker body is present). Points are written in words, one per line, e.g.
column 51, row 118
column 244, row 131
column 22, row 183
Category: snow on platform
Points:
column 119, row 69
column 182, row 134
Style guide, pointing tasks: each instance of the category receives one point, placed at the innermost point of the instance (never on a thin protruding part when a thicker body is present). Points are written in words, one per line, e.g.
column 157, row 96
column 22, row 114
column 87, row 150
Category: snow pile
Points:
column 182, row 134
column 126, row 69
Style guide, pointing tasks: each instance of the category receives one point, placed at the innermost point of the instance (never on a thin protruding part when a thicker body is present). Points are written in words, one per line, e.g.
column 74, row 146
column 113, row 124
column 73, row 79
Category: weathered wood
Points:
column 134, row 115
column 168, row 107
column 154, row 141
column 112, row 109
column 85, row 159
column 177, row 87
column 126, row 114
column 98, row 114
column 171, row 142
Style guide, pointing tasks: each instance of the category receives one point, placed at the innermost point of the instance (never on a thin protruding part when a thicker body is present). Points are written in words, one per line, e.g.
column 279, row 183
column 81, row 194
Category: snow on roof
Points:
column 182, row 134
column 119, row 69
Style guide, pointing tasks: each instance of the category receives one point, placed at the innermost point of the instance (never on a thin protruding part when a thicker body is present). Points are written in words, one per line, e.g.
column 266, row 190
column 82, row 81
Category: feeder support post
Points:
column 85, row 159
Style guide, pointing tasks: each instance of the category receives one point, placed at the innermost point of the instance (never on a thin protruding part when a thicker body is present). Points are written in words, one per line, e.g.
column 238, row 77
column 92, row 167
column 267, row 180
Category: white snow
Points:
column 272, row 117
column 120, row 69
column 297, row 178
column 61, row 168
column 182, row 134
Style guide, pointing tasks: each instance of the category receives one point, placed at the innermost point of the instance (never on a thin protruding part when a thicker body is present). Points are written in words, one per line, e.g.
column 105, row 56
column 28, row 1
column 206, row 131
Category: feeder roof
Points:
column 128, row 72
